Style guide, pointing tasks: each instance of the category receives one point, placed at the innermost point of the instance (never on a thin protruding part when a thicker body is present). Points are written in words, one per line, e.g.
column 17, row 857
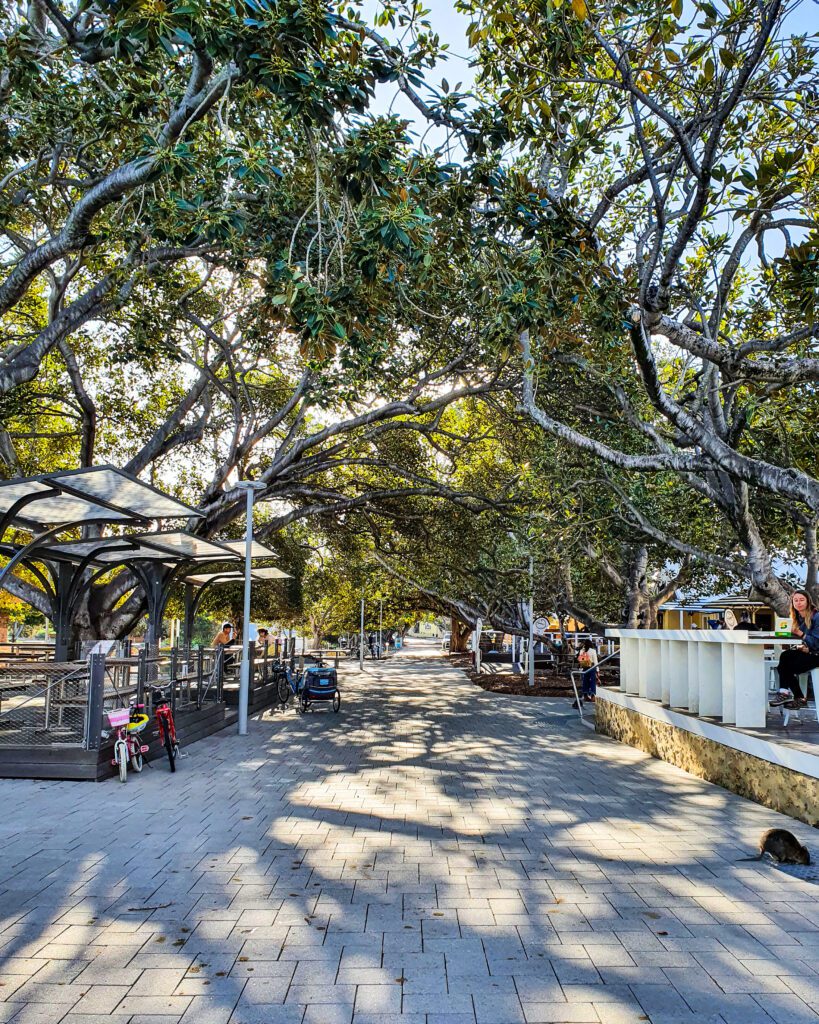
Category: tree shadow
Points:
column 431, row 849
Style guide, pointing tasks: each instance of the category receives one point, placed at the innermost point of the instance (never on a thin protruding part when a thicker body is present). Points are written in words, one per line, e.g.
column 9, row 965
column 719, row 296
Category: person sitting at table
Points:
column 796, row 660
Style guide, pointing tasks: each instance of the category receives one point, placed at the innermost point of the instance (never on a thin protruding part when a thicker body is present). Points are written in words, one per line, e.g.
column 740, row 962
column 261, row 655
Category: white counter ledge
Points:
column 713, row 673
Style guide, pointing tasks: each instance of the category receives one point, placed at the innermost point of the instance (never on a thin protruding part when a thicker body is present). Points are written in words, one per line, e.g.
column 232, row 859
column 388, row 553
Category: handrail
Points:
column 54, row 681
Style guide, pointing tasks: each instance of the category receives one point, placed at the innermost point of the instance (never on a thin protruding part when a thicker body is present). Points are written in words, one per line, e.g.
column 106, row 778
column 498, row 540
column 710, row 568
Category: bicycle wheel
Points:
column 170, row 749
column 282, row 689
column 121, row 755
column 136, row 758
column 336, row 701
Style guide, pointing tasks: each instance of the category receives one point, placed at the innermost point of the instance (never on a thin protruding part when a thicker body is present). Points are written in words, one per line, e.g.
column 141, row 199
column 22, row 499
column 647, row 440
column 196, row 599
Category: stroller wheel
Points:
column 336, row 701
column 303, row 703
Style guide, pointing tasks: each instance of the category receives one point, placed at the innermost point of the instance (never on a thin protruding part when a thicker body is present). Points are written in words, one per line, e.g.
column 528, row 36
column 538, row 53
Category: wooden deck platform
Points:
column 70, row 761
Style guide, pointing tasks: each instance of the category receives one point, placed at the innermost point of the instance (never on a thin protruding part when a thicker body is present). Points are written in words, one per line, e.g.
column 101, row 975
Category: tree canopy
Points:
column 581, row 312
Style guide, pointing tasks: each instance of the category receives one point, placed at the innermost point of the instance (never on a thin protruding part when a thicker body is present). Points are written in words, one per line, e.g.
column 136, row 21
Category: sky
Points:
column 451, row 26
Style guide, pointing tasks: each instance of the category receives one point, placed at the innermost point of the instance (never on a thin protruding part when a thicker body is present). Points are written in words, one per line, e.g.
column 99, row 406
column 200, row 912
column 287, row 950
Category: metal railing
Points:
column 48, row 703
column 43, row 704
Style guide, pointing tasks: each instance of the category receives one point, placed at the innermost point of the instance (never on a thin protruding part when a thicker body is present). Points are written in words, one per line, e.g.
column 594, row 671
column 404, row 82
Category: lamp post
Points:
column 380, row 626
column 361, row 640
column 531, row 620
column 249, row 487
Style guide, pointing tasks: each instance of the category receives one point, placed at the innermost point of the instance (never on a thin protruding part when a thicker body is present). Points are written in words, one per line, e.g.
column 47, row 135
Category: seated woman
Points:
column 796, row 660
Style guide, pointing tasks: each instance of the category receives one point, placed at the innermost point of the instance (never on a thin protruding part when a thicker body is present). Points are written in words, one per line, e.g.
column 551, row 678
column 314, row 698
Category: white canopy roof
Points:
column 99, row 494
column 260, row 575
column 258, row 550
column 162, row 547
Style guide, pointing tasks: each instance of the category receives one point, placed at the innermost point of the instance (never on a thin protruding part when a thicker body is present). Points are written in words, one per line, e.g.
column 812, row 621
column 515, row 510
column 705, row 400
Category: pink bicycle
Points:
column 128, row 746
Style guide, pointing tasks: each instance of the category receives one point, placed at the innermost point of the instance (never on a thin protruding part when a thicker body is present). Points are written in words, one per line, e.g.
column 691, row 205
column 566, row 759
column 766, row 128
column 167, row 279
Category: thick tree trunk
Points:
column 636, row 610
column 460, row 635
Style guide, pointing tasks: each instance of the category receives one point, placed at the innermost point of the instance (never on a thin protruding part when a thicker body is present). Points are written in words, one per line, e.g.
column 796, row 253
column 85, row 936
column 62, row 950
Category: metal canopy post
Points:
column 63, row 608
column 156, row 582
column 189, row 614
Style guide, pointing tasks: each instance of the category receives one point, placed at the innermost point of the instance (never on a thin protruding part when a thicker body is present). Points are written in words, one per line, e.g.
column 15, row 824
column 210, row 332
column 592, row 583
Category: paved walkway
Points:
column 432, row 855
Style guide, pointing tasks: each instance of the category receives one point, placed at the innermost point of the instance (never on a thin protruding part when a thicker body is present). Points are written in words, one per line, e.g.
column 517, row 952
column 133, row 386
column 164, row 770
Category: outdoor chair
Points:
column 790, row 713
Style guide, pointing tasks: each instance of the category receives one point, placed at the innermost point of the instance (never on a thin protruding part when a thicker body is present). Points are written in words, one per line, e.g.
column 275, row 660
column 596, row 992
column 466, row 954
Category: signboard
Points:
column 541, row 625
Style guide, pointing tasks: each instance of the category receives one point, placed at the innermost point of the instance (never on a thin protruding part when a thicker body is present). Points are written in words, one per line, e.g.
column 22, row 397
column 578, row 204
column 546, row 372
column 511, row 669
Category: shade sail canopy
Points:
column 257, row 550
column 157, row 547
column 201, row 579
column 99, row 494
column 271, row 574
column 185, row 545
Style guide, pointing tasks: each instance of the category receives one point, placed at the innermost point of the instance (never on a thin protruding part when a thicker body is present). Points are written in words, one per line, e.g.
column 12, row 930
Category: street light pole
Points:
column 249, row 487
column 531, row 621
column 361, row 639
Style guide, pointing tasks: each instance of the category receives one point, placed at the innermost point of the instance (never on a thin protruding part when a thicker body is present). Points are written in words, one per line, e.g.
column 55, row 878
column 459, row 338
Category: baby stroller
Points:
column 319, row 684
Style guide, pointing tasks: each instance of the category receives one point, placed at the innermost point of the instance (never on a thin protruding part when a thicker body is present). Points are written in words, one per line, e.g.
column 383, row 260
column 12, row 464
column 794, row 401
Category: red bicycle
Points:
column 166, row 725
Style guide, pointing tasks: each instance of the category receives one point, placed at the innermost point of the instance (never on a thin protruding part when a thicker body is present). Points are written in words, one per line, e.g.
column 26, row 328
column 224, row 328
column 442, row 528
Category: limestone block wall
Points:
column 772, row 785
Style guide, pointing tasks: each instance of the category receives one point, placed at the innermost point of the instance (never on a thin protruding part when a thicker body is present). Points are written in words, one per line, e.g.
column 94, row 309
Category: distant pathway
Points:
column 434, row 854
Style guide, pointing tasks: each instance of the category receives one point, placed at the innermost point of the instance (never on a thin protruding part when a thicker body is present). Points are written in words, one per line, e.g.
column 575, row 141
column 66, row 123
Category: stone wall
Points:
column 769, row 784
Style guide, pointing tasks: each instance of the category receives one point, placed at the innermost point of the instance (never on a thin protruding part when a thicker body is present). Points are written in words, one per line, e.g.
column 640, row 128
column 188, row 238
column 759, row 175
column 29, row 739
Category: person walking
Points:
column 588, row 662
column 796, row 660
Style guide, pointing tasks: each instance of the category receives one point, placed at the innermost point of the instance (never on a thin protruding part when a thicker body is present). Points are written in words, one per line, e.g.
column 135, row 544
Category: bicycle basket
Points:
column 118, row 717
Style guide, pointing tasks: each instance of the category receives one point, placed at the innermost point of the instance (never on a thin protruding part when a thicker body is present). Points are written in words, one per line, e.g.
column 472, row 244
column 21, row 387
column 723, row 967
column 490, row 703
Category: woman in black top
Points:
column 796, row 660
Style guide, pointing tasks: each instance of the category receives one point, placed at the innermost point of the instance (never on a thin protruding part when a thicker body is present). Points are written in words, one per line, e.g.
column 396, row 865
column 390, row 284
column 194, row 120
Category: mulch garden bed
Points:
column 547, row 684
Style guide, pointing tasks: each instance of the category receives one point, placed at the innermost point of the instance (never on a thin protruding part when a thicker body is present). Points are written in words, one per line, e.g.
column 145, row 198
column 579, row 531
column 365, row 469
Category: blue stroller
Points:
column 319, row 684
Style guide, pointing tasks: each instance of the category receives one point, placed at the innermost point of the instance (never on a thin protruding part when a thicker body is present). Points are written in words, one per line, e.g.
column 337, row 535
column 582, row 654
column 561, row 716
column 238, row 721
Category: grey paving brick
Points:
column 560, row 1013
column 393, row 1018
column 787, row 1009
column 267, row 1015
column 149, row 1006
